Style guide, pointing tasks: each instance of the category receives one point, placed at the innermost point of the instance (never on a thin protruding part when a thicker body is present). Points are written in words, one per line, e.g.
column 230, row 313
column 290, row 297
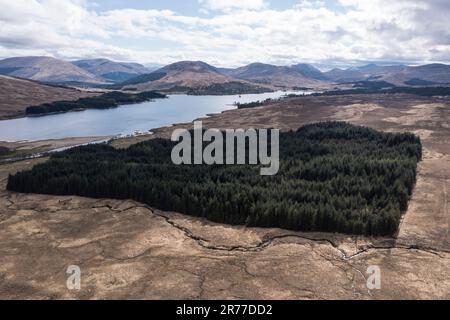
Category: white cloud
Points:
column 238, row 32
column 228, row 5
column 309, row 4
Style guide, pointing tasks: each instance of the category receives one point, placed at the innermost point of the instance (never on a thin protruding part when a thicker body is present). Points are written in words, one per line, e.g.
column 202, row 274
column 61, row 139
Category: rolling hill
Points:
column 46, row 69
column 186, row 76
column 309, row 71
column 190, row 76
column 431, row 73
column 398, row 75
column 18, row 94
column 197, row 77
column 111, row 70
column 278, row 76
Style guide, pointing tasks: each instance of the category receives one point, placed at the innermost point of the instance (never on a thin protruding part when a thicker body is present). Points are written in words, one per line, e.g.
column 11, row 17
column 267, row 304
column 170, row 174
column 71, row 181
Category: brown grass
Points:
column 17, row 94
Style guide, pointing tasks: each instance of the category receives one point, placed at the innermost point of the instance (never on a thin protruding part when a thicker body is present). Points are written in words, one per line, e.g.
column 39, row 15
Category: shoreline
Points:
column 25, row 150
column 117, row 140
column 25, row 115
column 71, row 142
column 41, row 148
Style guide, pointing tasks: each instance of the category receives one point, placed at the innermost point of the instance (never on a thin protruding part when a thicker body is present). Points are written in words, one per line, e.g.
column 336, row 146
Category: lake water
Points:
column 123, row 120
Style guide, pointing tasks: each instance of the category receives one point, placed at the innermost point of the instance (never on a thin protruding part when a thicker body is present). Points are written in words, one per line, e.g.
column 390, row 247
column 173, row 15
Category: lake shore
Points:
column 123, row 120
column 22, row 150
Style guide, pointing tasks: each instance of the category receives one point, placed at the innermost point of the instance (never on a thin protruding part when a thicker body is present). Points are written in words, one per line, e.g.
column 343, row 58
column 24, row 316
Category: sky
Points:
column 230, row 33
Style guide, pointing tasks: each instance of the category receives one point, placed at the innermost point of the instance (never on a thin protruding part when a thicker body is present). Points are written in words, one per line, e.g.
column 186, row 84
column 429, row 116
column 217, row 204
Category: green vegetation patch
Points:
column 4, row 151
column 229, row 88
column 104, row 101
column 333, row 177
column 143, row 78
column 419, row 82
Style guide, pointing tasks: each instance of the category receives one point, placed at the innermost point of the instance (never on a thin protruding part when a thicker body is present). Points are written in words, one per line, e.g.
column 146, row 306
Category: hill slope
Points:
column 398, row 75
column 18, row 94
column 309, row 71
column 267, row 74
column 189, row 76
column 46, row 69
column 432, row 73
column 111, row 70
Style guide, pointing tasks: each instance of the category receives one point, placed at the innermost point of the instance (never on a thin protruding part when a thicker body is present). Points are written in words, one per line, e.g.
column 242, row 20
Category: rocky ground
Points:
column 128, row 250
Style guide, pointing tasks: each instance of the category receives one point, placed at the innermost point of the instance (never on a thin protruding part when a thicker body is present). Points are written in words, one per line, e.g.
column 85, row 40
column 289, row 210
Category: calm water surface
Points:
column 122, row 120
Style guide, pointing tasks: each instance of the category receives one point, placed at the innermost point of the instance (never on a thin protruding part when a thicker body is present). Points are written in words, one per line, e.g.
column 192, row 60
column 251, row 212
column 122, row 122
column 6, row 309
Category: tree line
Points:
column 333, row 177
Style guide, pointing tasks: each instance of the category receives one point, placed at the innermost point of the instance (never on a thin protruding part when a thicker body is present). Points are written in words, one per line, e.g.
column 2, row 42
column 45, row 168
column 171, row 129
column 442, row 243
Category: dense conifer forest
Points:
column 333, row 177
column 104, row 101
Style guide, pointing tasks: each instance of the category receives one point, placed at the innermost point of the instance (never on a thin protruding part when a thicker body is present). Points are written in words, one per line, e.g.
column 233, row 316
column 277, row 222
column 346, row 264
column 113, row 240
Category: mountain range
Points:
column 194, row 76
column 398, row 75
column 278, row 76
column 47, row 69
column 202, row 78
column 111, row 70
column 257, row 76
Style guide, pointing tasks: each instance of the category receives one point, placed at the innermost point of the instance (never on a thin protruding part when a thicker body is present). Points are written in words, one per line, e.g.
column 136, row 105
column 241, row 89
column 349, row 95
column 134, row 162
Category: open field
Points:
column 127, row 250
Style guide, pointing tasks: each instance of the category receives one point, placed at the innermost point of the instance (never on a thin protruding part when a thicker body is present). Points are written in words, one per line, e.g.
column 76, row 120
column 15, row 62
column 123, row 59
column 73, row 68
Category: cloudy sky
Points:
column 229, row 32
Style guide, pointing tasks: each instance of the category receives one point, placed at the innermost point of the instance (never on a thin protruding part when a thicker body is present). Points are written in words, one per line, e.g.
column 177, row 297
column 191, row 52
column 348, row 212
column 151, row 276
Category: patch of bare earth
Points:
column 128, row 250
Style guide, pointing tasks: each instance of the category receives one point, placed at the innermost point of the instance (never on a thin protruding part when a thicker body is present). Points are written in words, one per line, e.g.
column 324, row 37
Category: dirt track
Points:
column 126, row 250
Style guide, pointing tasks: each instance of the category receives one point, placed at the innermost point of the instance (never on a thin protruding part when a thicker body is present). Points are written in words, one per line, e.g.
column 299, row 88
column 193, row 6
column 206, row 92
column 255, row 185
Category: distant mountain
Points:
column 46, row 69
column 399, row 75
column 188, row 76
column 299, row 75
column 254, row 70
column 111, row 70
column 436, row 73
column 143, row 78
column 189, row 66
column 198, row 76
column 342, row 76
column 309, row 71
column 362, row 73
column 18, row 94
column 279, row 76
